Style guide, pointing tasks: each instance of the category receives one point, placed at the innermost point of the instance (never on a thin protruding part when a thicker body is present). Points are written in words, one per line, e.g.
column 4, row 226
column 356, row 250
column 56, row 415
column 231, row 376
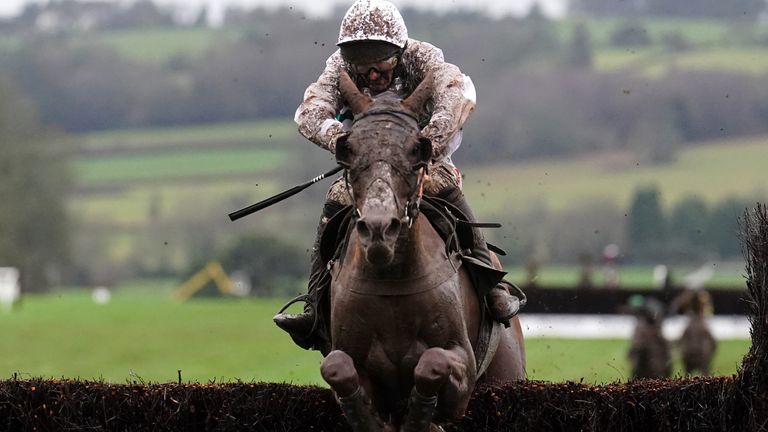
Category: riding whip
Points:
column 253, row 208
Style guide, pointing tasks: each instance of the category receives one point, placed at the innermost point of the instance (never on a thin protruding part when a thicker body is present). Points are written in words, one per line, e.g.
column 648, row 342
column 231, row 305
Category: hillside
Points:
column 239, row 154
column 712, row 171
column 139, row 184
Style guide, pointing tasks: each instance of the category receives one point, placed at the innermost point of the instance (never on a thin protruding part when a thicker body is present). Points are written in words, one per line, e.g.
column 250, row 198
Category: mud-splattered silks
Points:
column 453, row 99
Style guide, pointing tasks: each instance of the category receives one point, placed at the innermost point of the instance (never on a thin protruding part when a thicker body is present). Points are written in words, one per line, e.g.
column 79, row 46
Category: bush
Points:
column 273, row 267
column 630, row 35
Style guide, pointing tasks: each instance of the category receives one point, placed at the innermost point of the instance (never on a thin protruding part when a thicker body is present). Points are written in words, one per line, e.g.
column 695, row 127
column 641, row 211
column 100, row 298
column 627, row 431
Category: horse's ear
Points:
column 422, row 152
column 357, row 101
column 421, row 95
column 343, row 152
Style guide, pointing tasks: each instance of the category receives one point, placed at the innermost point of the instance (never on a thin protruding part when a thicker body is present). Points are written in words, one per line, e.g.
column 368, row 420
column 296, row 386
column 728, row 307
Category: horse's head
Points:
column 384, row 153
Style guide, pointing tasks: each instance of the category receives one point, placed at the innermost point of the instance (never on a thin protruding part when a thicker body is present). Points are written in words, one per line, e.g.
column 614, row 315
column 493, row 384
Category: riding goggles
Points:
column 380, row 67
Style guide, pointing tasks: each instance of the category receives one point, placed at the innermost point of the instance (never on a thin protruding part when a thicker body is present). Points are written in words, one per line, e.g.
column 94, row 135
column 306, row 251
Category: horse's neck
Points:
column 416, row 249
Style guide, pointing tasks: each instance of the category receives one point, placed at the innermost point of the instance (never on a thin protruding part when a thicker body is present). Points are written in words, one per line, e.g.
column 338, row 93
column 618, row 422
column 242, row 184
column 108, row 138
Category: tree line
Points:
column 83, row 86
column 34, row 182
column 690, row 229
column 690, row 232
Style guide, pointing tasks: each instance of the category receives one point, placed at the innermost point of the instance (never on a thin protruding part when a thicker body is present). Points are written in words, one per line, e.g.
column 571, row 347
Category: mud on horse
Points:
column 405, row 319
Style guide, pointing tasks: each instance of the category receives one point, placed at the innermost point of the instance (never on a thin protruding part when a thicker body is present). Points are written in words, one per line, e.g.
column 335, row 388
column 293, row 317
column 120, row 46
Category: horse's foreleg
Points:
column 448, row 374
column 338, row 370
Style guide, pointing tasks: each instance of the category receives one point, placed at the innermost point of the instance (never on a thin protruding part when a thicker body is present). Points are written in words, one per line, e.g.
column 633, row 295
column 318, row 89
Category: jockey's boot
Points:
column 502, row 304
column 303, row 327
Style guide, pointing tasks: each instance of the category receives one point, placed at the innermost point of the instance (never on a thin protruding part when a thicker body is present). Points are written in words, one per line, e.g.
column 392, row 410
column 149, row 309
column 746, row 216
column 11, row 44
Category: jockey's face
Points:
column 378, row 76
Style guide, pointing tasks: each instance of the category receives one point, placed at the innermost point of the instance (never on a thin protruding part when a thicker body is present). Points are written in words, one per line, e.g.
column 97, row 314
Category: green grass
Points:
column 631, row 276
column 161, row 44
column 708, row 171
column 256, row 132
column 142, row 335
column 610, row 59
column 654, row 62
column 705, row 170
column 604, row 360
column 178, row 164
column 132, row 205
column 149, row 338
column 224, row 179
column 751, row 60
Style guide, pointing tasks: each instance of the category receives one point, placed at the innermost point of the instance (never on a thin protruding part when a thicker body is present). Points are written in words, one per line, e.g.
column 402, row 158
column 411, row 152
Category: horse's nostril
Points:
column 378, row 228
column 362, row 229
column 393, row 229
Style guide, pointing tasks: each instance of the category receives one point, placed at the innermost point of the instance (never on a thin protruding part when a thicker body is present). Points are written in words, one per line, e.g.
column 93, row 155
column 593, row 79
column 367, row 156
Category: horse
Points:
column 649, row 355
column 405, row 320
column 697, row 344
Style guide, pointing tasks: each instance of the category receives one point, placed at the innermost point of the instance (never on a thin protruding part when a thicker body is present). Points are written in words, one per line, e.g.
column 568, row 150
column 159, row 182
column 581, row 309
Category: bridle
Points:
column 411, row 208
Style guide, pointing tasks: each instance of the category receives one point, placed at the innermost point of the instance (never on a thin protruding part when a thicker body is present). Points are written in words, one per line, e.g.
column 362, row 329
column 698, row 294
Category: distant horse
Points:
column 405, row 320
column 649, row 355
column 697, row 345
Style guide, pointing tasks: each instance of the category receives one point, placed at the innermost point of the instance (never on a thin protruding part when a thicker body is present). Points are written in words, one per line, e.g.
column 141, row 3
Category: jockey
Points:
column 375, row 50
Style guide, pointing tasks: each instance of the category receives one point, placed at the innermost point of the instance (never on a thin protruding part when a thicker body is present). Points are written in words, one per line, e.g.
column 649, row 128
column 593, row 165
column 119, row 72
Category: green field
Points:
column 209, row 151
column 129, row 187
column 704, row 170
column 159, row 45
column 216, row 134
column 655, row 62
column 713, row 172
column 210, row 163
column 133, row 206
column 141, row 335
column 170, row 168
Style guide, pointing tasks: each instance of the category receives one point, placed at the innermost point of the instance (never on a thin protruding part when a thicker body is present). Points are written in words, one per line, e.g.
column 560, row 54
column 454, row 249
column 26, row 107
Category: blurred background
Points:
column 618, row 142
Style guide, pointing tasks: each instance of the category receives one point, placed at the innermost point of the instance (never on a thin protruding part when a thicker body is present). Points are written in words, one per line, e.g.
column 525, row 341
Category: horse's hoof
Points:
column 338, row 370
column 432, row 371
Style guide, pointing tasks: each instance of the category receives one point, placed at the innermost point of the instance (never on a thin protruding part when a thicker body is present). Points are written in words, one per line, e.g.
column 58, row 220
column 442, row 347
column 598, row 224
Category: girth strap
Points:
column 488, row 338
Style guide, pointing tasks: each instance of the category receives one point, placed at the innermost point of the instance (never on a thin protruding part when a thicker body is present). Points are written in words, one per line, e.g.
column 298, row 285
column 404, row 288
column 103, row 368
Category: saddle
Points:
column 450, row 223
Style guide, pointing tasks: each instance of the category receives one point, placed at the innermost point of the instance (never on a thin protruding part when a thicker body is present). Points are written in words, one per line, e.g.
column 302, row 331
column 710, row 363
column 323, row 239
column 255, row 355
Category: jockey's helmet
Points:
column 372, row 31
